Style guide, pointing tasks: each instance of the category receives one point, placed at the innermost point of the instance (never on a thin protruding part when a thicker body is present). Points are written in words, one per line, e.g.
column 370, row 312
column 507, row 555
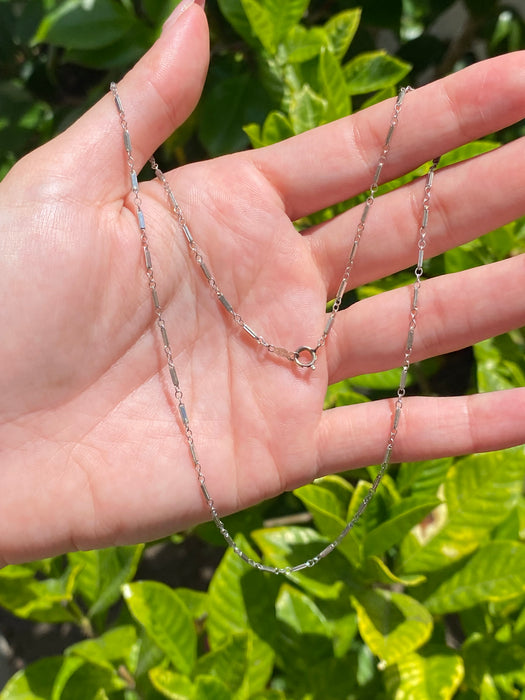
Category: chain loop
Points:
column 297, row 356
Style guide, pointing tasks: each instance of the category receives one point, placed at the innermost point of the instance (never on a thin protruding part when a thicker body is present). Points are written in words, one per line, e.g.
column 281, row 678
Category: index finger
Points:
column 336, row 161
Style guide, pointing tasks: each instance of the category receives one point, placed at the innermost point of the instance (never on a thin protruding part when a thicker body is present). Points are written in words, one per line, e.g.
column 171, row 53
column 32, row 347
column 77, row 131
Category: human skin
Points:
column 91, row 449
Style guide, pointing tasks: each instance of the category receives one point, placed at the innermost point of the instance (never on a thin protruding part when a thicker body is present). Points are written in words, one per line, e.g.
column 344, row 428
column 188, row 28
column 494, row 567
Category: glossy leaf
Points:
column 285, row 15
column 503, row 661
column 500, row 363
column 392, row 624
column 375, row 512
column 261, row 23
column 305, row 635
column 343, row 394
column 165, row 619
column 422, row 479
column 115, row 645
column 288, row 546
column 241, row 599
column 211, row 688
column 271, row 20
column 375, row 571
column 229, row 663
column 85, row 680
column 468, row 150
column 34, row 682
column 75, row 25
column 302, row 44
column 392, row 531
column 333, row 86
column 195, row 601
column 380, row 381
column 429, row 677
column 236, row 100
column 495, row 572
column 234, row 12
column 479, row 491
column 103, row 572
column 307, row 109
column 379, row 96
column 327, row 500
column 174, row 686
column 341, row 29
column 45, row 600
column 69, row 666
column 372, row 71
column 276, row 128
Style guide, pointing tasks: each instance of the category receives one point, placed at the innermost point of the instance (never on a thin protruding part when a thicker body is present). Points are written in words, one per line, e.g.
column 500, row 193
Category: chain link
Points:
column 304, row 356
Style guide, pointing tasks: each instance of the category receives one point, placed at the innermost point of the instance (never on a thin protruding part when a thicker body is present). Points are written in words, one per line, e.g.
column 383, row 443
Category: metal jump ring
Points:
column 301, row 363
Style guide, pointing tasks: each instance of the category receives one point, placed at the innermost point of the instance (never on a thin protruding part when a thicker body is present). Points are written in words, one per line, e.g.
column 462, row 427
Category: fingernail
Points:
column 179, row 10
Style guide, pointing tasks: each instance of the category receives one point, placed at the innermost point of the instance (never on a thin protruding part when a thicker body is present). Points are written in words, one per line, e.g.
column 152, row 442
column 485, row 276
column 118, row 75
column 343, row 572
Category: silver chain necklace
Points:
column 304, row 356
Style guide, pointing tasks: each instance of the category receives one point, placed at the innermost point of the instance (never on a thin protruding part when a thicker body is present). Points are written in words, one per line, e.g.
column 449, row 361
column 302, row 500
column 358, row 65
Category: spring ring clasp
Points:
column 300, row 361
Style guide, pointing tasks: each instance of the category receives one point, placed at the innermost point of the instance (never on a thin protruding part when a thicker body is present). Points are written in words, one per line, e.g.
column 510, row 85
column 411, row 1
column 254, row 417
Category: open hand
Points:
column 91, row 448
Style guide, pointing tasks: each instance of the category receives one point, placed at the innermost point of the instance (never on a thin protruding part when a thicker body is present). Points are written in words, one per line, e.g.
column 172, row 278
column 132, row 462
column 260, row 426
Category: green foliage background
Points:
column 425, row 598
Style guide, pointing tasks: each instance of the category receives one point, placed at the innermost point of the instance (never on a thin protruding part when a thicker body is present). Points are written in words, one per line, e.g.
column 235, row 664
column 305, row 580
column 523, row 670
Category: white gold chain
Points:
column 305, row 356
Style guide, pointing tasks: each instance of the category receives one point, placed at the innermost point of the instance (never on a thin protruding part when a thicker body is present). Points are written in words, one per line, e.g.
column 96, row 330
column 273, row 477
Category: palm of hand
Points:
column 100, row 397
column 92, row 450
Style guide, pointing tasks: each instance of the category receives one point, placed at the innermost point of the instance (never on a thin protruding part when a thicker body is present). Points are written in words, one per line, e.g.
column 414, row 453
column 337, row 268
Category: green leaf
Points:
column 333, row 86
column 230, row 662
column 34, row 682
column 78, row 25
column 172, row 685
column 70, row 666
column 500, row 363
column 327, row 500
column 303, row 44
column 422, row 479
column 379, row 96
column 285, row 15
column 341, row 620
column 276, row 128
column 428, row 677
column 120, row 53
column 241, row 599
column 341, row 29
column 210, row 688
column 195, row 601
column 238, row 99
column 288, row 546
column 495, row 572
column 115, row 645
column 103, row 572
column 375, row 512
column 468, row 151
column 234, row 12
column 343, row 394
column 305, row 635
column 373, row 70
column 307, row 109
column 392, row 531
column 488, row 689
column 261, row 23
column 165, row 619
column 478, row 492
column 380, row 381
column 503, row 661
column 44, row 601
column 392, row 624
column 375, row 571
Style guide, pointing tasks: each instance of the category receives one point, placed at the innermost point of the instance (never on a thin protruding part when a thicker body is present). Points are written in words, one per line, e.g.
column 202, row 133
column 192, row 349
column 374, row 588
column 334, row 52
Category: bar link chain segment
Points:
column 304, row 356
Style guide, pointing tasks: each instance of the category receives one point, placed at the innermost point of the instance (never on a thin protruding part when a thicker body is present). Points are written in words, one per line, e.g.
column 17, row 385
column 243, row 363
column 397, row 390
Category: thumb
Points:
column 158, row 94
